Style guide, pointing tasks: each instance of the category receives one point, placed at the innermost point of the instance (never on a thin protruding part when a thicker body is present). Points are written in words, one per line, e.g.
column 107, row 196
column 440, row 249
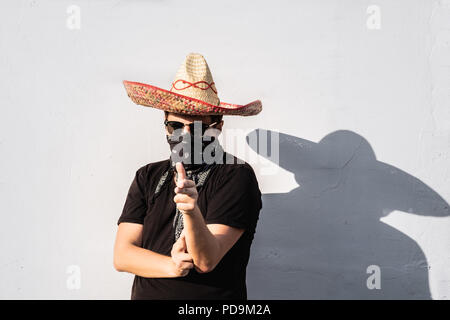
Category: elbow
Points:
column 118, row 266
column 118, row 262
column 205, row 267
column 208, row 263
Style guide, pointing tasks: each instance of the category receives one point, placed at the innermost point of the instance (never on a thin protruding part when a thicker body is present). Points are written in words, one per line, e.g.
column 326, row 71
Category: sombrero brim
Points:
column 151, row 96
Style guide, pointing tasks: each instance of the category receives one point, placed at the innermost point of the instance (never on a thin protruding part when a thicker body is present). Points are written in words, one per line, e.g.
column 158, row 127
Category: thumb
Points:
column 181, row 171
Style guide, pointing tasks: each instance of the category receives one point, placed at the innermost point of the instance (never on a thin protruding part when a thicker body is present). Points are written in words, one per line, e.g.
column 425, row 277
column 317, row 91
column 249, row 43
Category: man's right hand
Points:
column 182, row 261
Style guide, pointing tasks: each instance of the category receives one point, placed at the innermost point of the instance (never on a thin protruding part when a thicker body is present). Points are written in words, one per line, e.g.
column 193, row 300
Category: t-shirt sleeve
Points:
column 135, row 206
column 237, row 199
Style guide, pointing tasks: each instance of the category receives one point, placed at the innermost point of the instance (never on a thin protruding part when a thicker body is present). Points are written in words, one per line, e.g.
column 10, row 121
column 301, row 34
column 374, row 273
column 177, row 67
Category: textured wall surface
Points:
column 357, row 93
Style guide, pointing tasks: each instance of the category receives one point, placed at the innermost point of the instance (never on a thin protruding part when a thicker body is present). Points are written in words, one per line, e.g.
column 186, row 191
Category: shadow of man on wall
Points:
column 324, row 239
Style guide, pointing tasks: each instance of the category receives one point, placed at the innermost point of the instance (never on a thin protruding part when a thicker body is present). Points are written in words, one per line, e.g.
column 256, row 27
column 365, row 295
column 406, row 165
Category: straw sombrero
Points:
column 193, row 92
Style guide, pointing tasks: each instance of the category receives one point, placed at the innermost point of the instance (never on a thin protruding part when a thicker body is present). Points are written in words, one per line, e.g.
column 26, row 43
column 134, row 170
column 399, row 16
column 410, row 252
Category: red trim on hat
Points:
column 231, row 106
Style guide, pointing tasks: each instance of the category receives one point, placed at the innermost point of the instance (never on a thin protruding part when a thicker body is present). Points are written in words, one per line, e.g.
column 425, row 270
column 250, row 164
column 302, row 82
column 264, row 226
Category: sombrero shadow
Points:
column 317, row 240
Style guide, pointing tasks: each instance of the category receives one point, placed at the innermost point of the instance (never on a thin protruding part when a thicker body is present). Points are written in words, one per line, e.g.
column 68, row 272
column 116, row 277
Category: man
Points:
column 188, row 222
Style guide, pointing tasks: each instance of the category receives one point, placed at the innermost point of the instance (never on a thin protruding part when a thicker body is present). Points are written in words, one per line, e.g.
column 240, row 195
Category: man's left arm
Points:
column 206, row 243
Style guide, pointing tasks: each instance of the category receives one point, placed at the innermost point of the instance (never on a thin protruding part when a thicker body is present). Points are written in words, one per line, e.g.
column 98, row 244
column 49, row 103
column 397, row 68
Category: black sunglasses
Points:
column 175, row 125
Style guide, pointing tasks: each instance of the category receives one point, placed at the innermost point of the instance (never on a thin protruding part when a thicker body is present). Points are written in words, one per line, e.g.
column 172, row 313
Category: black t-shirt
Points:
column 230, row 196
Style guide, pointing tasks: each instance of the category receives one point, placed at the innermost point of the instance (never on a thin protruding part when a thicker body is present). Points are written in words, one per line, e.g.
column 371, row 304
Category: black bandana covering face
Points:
column 197, row 163
column 193, row 151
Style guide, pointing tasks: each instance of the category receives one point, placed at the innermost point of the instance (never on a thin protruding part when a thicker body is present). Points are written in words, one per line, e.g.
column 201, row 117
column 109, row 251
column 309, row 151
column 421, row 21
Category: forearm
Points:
column 142, row 262
column 201, row 243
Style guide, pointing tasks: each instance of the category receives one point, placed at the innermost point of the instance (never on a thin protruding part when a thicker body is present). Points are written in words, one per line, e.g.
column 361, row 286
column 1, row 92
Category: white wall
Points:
column 363, row 116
